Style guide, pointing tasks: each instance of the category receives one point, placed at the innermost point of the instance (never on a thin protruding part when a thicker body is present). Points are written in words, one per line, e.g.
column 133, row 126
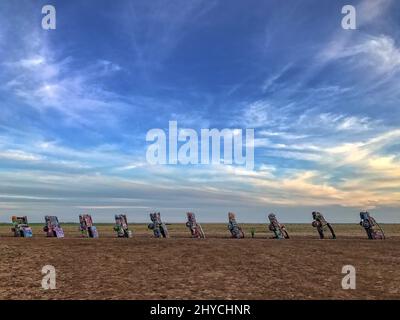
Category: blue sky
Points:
column 76, row 104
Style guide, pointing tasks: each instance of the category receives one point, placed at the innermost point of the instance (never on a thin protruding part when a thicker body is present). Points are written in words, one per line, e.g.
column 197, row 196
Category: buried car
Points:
column 121, row 226
column 86, row 226
column 195, row 228
column 373, row 229
column 233, row 227
column 321, row 224
column 159, row 228
column 277, row 228
column 52, row 227
column 20, row 227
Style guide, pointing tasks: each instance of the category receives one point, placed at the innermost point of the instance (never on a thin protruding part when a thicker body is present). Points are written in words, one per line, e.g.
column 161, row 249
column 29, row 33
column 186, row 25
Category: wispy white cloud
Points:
column 44, row 85
column 335, row 122
column 370, row 11
column 379, row 53
column 19, row 155
column 270, row 83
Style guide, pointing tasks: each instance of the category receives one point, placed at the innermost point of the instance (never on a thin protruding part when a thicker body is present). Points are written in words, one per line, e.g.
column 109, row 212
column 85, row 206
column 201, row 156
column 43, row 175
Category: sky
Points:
column 76, row 104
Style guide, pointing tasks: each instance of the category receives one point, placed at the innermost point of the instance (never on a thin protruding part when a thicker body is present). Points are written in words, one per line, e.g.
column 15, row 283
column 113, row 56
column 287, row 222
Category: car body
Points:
column 159, row 228
column 234, row 228
column 86, row 226
column 52, row 227
column 20, row 227
column 121, row 226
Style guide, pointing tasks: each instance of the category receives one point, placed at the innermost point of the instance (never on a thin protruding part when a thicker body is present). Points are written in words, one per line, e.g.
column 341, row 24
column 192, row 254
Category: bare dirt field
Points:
column 302, row 267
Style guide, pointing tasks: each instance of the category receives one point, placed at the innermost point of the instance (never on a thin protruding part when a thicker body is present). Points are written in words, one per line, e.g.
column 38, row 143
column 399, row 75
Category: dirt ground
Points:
column 302, row 267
